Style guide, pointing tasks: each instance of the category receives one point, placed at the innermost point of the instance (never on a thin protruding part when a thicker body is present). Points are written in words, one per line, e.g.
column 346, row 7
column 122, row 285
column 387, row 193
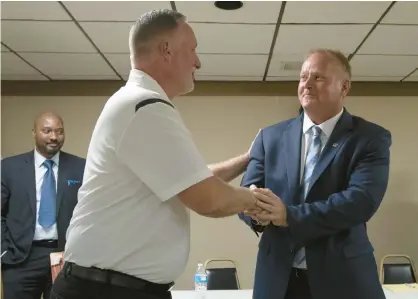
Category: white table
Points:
column 247, row 294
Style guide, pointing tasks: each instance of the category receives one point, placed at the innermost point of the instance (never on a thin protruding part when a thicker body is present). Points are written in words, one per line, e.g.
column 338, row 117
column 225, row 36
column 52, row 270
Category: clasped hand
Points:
column 269, row 208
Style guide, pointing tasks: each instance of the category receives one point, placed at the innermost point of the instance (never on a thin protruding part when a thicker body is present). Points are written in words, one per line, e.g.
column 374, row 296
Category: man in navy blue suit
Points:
column 319, row 178
column 38, row 195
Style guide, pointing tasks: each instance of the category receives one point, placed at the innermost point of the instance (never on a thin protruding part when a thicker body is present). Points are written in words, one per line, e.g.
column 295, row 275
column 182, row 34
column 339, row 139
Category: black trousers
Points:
column 298, row 286
column 67, row 286
column 30, row 279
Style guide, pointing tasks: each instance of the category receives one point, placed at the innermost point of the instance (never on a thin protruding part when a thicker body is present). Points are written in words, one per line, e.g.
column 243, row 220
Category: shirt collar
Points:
column 327, row 126
column 39, row 159
column 141, row 78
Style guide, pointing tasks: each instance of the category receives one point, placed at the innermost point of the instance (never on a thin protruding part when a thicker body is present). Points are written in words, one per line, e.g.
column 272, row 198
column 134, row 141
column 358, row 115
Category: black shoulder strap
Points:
column 151, row 101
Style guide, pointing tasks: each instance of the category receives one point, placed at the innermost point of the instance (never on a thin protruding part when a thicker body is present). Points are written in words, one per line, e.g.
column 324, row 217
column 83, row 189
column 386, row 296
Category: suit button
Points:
column 292, row 250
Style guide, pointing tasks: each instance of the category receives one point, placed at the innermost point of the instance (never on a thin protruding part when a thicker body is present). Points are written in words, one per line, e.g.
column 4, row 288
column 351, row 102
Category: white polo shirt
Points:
column 128, row 217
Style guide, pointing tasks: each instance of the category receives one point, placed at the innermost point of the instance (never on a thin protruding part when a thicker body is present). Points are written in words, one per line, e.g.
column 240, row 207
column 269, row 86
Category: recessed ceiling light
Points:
column 229, row 5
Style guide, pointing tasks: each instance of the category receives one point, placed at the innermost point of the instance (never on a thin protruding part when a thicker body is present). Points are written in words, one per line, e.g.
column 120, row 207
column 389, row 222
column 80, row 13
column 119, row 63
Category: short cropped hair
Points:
column 150, row 25
column 339, row 56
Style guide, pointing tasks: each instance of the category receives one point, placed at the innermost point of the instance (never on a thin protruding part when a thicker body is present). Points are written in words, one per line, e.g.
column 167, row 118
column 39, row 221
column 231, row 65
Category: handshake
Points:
column 267, row 208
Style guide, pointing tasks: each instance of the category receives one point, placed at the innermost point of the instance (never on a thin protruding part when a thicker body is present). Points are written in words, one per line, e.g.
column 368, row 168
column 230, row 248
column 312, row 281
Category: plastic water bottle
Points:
column 200, row 280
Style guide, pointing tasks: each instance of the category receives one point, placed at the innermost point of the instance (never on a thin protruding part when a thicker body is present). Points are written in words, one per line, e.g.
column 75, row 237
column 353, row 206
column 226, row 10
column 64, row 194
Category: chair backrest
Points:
column 397, row 273
column 222, row 278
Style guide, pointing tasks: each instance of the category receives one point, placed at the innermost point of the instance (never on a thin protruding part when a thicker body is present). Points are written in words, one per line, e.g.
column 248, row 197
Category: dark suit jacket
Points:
column 18, row 202
column 349, row 182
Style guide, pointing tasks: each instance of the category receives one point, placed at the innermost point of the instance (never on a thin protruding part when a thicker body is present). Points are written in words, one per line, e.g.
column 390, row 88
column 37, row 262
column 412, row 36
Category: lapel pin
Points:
column 335, row 144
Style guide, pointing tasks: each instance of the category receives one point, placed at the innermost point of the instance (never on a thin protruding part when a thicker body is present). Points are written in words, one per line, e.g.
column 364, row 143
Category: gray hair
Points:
column 150, row 25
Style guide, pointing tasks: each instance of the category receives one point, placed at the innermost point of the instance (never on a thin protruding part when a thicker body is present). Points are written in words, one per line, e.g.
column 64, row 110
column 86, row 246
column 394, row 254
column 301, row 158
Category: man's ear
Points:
column 164, row 49
column 345, row 87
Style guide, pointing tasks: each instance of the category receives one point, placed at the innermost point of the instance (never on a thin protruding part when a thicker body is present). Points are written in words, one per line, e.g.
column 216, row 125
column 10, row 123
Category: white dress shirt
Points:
column 128, row 217
column 41, row 233
column 327, row 128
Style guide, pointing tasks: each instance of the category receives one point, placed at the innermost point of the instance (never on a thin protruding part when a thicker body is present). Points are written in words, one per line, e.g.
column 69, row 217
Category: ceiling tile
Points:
column 109, row 37
column 413, row 77
column 355, row 79
column 300, row 39
column 382, row 65
column 251, row 12
column 33, row 10
column 403, row 12
column 376, row 78
column 229, row 78
column 212, row 65
column 32, row 77
column 112, row 10
column 11, row 64
column 38, row 36
column 285, row 65
column 233, row 38
column 392, row 39
column 232, row 65
column 4, row 49
column 85, row 77
column 333, row 11
column 66, row 64
column 283, row 78
column 121, row 63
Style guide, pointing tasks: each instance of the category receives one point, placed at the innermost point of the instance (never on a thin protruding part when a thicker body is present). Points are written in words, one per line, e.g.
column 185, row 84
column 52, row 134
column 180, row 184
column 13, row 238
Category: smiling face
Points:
column 48, row 133
column 323, row 86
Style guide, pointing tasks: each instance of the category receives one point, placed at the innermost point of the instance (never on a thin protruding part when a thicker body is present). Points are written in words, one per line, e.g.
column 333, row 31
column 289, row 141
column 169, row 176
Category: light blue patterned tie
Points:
column 47, row 207
column 312, row 157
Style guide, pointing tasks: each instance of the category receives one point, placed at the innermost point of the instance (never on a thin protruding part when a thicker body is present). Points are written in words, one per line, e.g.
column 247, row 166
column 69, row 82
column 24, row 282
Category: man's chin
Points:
column 53, row 151
column 308, row 102
column 188, row 90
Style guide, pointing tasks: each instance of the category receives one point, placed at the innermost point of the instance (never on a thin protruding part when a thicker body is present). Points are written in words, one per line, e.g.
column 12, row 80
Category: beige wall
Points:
column 224, row 127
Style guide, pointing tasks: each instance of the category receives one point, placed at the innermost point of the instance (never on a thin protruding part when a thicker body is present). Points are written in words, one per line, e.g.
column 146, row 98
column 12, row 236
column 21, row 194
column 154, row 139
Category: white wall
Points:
column 224, row 127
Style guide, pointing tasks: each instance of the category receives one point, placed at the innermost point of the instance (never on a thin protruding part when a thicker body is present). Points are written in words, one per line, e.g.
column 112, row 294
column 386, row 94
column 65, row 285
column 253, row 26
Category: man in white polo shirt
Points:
column 129, row 235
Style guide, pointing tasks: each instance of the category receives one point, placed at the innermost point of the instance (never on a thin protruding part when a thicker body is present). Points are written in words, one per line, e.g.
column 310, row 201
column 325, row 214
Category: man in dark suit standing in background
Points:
column 38, row 195
column 322, row 176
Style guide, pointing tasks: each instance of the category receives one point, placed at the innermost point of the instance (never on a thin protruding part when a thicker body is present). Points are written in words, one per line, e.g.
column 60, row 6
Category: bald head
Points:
column 48, row 132
column 40, row 118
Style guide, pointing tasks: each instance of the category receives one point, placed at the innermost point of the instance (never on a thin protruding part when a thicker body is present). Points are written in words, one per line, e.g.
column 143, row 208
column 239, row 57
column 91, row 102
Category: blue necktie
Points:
column 312, row 157
column 47, row 207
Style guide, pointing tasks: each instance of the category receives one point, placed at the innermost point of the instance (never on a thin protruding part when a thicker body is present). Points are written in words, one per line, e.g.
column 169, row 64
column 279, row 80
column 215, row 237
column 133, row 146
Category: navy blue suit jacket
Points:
column 18, row 202
column 349, row 183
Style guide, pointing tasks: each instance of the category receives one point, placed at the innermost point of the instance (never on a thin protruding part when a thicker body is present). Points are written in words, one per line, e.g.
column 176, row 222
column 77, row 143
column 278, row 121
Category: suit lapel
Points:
column 333, row 145
column 62, row 179
column 29, row 180
column 292, row 139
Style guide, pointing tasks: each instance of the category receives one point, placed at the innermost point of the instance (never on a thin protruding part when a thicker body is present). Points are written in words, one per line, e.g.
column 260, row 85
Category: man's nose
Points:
column 198, row 63
column 309, row 82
